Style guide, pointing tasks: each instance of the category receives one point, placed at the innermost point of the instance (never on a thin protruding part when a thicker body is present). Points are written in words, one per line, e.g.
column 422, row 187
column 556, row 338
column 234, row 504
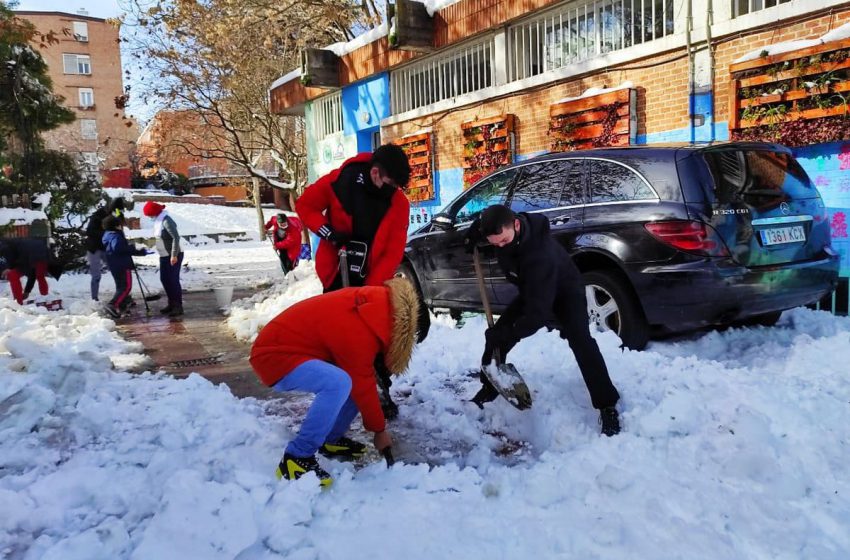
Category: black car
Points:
column 668, row 238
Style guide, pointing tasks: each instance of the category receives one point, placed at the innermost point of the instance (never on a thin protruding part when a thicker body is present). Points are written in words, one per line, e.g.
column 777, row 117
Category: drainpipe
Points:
column 689, row 24
column 709, row 21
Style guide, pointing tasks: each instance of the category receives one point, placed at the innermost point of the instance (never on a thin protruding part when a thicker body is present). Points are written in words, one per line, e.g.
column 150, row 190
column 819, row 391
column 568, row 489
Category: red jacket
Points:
column 291, row 243
column 347, row 328
column 318, row 205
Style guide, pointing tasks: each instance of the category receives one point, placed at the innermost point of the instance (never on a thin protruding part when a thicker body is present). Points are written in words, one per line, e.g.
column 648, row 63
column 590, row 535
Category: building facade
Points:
column 542, row 76
column 85, row 66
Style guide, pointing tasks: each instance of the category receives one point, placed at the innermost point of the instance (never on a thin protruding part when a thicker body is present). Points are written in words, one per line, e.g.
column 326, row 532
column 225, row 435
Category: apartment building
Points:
column 85, row 66
column 468, row 86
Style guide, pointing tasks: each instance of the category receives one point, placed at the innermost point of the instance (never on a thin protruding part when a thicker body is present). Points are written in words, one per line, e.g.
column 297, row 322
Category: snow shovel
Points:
column 504, row 377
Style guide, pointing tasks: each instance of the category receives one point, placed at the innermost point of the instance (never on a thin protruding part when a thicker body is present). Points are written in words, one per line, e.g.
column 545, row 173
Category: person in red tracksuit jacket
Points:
column 360, row 205
column 327, row 345
column 286, row 237
column 361, row 208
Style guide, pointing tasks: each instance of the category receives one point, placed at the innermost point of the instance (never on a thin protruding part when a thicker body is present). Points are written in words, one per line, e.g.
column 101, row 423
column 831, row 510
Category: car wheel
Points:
column 611, row 305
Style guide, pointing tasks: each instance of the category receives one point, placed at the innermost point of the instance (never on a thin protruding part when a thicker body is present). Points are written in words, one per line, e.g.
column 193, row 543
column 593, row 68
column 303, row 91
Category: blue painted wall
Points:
column 364, row 104
column 829, row 167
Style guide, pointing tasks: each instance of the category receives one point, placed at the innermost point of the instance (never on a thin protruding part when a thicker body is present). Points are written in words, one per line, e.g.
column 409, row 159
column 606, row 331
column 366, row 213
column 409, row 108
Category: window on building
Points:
column 86, row 97
column 76, row 63
column 88, row 129
column 327, row 115
column 81, row 31
column 612, row 182
column 456, row 72
column 741, row 7
column 580, row 31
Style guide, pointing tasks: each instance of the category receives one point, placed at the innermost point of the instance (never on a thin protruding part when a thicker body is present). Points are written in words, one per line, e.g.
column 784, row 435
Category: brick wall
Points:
column 662, row 100
column 114, row 137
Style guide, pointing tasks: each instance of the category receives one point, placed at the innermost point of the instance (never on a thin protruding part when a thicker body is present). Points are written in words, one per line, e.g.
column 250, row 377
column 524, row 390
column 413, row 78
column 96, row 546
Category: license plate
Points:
column 777, row 236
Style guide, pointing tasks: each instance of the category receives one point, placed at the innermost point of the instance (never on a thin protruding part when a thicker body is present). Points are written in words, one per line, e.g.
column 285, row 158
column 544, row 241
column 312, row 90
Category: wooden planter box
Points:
column 805, row 84
column 607, row 119
column 414, row 28
column 320, row 68
column 488, row 145
column 418, row 148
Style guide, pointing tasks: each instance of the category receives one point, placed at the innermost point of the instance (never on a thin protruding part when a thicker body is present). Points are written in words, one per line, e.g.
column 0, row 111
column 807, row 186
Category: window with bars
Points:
column 741, row 7
column 76, row 63
column 327, row 115
column 581, row 31
column 459, row 71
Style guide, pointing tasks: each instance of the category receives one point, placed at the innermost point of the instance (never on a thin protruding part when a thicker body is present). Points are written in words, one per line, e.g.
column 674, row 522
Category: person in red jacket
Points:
column 327, row 345
column 286, row 237
column 360, row 207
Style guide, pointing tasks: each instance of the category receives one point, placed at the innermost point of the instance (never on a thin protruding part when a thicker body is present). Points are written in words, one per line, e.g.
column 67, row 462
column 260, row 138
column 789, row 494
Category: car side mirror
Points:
column 443, row 221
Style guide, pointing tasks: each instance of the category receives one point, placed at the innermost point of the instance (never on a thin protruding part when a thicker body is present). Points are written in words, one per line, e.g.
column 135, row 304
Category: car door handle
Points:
column 558, row 220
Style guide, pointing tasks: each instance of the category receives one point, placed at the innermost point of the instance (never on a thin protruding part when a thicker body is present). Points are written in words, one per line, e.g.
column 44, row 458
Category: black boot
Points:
column 167, row 309
column 487, row 393
column 609, row 418
column 344, row 448
column 176, row 311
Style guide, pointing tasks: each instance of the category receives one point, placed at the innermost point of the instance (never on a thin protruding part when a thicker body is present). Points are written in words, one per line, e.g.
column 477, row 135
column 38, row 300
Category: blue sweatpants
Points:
column 332, row 410
column 169, row 275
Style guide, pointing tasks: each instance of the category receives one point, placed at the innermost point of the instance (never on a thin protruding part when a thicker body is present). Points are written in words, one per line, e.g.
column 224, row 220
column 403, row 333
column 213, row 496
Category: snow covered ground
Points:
column 735, row 446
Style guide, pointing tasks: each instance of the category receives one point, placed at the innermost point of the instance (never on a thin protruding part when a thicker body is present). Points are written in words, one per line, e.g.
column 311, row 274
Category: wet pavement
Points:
column 199, row 342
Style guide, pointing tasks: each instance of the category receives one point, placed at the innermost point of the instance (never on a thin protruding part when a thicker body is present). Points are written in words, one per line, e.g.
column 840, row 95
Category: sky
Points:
column 95, row 8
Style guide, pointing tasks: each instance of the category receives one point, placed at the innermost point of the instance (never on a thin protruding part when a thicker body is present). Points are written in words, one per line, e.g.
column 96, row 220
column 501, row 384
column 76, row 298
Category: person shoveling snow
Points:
column 327, row 345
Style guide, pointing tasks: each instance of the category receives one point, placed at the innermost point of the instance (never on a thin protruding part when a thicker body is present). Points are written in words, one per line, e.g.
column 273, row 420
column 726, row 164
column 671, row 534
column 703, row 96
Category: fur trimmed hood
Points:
column 405, row 315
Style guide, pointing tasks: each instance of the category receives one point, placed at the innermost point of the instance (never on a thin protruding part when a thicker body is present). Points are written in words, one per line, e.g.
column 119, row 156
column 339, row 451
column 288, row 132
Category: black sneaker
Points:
column 166, row 310
column 111, row 310
column 176, row 311
column 293, row 468
column 609, row 418
column 343, row 448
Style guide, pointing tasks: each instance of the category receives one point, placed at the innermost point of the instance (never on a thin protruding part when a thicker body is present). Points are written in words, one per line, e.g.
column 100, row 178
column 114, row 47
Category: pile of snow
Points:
column 837, row 34
column 735, row 446
column 203, row 219
column 20, row 216
column 249, row 315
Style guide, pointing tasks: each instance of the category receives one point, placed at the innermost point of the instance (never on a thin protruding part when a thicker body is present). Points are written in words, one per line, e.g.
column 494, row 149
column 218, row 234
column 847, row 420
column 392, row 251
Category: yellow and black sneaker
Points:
column 293, row 468
column 344, row 448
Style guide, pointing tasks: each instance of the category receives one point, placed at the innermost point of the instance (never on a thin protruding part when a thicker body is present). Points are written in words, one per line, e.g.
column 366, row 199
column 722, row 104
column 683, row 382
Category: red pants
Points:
column 15, row 281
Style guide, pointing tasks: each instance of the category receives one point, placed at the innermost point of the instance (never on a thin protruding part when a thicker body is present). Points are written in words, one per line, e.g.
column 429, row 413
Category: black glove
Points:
column 335, row 237
column 473, row 236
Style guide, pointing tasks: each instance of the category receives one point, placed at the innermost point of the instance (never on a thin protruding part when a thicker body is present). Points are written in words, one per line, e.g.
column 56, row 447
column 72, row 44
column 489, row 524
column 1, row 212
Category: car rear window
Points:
column 745, row 174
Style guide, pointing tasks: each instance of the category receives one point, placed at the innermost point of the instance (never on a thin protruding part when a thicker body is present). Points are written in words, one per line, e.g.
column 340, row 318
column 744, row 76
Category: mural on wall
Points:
column 828, row 165
column 331, row 151
column 488, row 145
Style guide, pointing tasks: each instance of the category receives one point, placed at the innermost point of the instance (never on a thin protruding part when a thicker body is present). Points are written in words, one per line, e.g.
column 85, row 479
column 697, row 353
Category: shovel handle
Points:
column 343, row 267
column 387, row 452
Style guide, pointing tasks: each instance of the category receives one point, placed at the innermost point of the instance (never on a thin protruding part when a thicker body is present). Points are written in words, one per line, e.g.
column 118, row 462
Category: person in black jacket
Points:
column 119, row 258
column 94, row 248
column 24, row 257
column 551, row 293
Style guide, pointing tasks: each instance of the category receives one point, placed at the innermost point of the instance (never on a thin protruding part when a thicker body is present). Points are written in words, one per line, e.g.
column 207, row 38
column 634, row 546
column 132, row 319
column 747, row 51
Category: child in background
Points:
column 119, row 259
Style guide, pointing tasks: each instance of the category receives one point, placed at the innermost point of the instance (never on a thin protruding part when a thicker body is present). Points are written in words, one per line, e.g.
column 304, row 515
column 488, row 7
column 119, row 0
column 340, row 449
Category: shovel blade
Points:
column 509, row 383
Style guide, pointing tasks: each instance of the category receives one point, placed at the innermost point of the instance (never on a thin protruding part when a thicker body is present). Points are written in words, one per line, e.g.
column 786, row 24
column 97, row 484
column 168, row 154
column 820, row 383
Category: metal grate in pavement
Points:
column 208, row 361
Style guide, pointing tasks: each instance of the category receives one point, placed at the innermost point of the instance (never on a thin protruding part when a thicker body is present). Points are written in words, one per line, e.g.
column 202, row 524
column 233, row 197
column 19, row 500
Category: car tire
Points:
column 612, row 305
